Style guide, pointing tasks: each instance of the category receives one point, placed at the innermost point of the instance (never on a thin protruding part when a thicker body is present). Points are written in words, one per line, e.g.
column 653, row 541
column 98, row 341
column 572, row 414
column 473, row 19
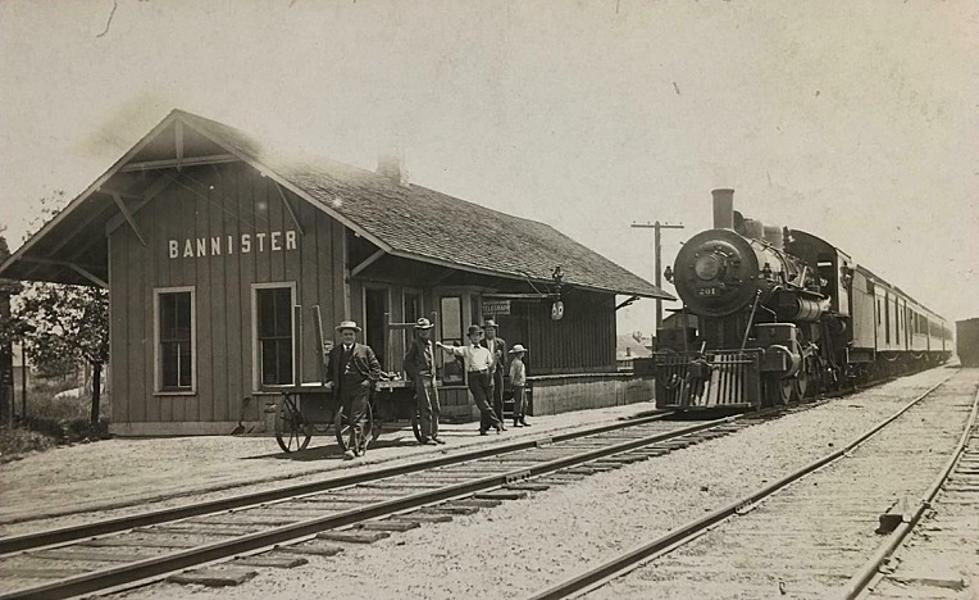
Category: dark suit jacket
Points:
column 363, row 363
column 414, row 362
column 501, row 355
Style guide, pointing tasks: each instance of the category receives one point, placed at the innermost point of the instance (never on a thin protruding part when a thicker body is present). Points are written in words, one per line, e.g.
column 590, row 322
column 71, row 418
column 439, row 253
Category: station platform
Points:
column 117, row 476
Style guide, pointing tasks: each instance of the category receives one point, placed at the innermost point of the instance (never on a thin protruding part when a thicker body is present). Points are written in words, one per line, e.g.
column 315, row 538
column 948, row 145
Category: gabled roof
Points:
column 410, row 221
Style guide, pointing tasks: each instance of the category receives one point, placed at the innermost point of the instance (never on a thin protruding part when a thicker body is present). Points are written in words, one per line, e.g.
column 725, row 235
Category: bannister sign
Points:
column 273, row 241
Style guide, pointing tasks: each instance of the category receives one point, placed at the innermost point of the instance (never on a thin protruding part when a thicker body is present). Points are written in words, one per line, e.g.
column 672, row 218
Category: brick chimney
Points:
column 392, row 166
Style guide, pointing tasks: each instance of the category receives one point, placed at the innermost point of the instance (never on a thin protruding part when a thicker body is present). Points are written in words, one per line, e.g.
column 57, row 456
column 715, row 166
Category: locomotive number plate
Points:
column 707, row 292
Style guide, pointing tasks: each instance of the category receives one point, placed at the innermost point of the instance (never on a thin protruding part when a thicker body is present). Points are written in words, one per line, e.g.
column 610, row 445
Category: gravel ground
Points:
column 515, row 549
column 125, row 475
column 807, row 540
column 940, row 559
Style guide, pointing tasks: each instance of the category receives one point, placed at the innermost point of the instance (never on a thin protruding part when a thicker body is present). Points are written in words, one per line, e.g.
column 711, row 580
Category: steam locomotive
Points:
column 771, row 315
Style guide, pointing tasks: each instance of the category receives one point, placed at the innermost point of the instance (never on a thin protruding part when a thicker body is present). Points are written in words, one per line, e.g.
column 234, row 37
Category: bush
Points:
column 16, row 442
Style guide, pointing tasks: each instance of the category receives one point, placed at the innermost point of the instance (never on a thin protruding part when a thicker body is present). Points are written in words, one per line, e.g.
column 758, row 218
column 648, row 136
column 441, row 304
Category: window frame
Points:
column 257, row 384
column 158, row 389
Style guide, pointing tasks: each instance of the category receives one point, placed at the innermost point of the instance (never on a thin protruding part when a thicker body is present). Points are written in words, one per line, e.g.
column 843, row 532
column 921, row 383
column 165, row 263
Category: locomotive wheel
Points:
column 801, row 386
column 778, row 391
column 342, row 428
column 292, row 432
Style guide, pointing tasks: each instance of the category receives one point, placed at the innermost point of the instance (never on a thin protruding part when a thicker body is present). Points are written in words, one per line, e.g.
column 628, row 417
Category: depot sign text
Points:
column 273, row 241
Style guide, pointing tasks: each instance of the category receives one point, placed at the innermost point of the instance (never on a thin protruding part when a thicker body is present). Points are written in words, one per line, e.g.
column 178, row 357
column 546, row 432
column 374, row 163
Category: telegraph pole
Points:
column 657, row 252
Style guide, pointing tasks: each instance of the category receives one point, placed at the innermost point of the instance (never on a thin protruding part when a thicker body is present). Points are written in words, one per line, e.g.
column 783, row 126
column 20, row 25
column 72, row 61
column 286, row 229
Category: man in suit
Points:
column 419, row 364
column 497, row 347
column 352, row 370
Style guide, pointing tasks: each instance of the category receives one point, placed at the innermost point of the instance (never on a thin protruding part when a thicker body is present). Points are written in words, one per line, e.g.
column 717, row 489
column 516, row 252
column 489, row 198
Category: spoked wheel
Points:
column 342, row 428
column 778, row 391
column 416, row 425
column 292, row 432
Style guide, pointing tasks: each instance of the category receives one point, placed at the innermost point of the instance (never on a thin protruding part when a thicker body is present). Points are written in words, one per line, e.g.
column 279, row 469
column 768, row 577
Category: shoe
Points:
column 423, row 441
column 524, row 422
column 482, row 432
column 438, row 441
column 516, row 423
column 500, row 428
column 349, row 455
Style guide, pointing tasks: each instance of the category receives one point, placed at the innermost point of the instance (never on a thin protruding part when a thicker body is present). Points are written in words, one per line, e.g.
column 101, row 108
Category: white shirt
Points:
column 476, row 358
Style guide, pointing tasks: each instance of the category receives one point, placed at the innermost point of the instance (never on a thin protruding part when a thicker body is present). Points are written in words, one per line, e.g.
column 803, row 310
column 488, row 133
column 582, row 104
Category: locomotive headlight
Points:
column 708, row 267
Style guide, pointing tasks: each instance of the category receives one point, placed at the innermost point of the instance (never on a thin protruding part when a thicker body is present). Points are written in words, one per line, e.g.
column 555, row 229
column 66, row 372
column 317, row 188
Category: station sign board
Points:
column 496, row 307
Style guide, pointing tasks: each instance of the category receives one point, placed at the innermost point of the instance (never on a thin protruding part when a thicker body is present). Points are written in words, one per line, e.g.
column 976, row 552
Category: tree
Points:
column 63, row 322
column 67, row 321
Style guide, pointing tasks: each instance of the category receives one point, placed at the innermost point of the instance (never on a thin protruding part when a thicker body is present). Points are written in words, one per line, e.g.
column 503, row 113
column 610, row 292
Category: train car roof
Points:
column 877, row 279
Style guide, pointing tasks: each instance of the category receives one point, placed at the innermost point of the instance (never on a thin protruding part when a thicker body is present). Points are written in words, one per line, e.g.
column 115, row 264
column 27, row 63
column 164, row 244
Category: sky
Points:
column 855, row 120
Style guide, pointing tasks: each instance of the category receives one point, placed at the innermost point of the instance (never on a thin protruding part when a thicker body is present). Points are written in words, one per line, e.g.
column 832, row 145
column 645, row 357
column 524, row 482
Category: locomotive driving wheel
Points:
column 778, row 391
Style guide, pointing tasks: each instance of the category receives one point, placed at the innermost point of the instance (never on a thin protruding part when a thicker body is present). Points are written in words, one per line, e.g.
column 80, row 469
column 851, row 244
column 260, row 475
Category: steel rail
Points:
column 151, row 568
column 63, row 535
column 679, row 536
column 869, row 573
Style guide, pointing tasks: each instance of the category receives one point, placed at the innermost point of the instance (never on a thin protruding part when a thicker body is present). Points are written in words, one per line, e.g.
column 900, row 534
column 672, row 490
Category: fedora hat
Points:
column 517, row 348
column 348, row 325
column 423, row 323
column 490, row 323
column 473, row 329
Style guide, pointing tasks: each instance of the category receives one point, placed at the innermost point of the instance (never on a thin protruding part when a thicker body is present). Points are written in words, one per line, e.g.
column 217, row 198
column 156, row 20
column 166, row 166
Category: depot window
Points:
column 272, row 320
column 174, row 317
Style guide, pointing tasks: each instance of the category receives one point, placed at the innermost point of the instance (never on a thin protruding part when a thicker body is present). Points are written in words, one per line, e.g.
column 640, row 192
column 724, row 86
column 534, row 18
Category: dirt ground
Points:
column 125, row 475
column 518, row 548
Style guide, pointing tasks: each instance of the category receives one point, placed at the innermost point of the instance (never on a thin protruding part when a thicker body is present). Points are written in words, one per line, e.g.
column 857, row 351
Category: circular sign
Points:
column 557, row 310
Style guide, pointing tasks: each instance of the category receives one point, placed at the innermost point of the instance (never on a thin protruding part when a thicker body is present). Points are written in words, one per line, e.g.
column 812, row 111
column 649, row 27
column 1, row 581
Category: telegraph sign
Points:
column 496, row 307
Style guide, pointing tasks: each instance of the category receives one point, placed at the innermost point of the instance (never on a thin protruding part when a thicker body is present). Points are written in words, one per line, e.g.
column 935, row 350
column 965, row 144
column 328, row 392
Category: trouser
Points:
column 498, row 393
column 519, row 402
column 355, row 398
column 481, row 386
column 427, row 399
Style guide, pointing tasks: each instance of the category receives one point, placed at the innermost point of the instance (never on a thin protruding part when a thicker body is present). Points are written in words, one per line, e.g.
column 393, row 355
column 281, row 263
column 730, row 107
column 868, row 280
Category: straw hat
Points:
column 517, row 348
column 348, row 325
column 490, row 323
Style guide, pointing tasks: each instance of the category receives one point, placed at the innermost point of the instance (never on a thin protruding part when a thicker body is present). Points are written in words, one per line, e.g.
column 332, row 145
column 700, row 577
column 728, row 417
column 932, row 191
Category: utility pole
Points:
column 657, row 252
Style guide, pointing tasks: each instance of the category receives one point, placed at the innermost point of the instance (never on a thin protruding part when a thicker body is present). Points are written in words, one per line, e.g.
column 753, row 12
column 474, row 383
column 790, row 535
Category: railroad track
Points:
column 958, row 483
column 788, row 527
column 121, row 553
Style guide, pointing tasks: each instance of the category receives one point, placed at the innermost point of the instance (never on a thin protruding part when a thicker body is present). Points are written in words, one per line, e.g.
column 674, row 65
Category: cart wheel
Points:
column 342, row 429
column 416, row 425
column 292, row 432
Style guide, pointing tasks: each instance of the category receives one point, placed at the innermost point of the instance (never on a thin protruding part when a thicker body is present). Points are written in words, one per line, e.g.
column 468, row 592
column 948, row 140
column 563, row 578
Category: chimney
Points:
column 723, row 208
column 392, row 167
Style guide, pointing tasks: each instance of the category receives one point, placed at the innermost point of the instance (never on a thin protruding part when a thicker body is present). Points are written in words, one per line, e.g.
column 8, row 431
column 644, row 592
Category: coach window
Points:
column 272, row 321
column 176, row 371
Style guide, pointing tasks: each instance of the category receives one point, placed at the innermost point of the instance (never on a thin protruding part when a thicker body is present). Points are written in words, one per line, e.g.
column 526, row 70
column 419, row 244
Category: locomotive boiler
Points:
column 768, row 317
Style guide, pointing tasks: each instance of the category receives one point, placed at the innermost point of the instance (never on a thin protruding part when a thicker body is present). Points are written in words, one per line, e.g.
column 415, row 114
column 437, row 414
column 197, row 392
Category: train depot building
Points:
column 223, row 259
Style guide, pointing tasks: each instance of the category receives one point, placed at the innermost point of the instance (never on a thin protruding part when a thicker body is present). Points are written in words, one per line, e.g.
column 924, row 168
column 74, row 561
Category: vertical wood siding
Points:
column 208, row 202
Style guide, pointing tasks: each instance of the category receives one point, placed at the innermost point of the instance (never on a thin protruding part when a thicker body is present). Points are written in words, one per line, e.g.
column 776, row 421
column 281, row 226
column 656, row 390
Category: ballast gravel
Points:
column 524, row 545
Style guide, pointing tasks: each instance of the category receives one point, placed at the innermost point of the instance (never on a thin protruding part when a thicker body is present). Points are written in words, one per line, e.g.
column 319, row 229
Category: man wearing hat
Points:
column 419, row 364
column 497, row 347
column 351, row 370
column 478, row 361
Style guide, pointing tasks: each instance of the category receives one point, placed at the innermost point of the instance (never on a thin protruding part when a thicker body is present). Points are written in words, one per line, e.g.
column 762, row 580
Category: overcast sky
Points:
column 855, row 120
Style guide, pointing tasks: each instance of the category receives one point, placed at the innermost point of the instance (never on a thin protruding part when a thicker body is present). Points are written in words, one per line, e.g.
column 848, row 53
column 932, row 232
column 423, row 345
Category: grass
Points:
column 52, row 422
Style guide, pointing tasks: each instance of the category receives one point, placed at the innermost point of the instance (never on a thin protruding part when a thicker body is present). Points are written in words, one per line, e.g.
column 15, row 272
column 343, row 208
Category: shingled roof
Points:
column 416, row 222
column 408, row 221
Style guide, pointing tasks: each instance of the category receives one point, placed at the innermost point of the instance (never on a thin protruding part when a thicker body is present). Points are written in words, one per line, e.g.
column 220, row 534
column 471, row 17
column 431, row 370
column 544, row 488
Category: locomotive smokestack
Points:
column 723, row 208
column 773, row 235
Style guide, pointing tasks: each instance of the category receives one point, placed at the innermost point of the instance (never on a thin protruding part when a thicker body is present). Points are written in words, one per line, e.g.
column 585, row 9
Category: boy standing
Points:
column 518, row 380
